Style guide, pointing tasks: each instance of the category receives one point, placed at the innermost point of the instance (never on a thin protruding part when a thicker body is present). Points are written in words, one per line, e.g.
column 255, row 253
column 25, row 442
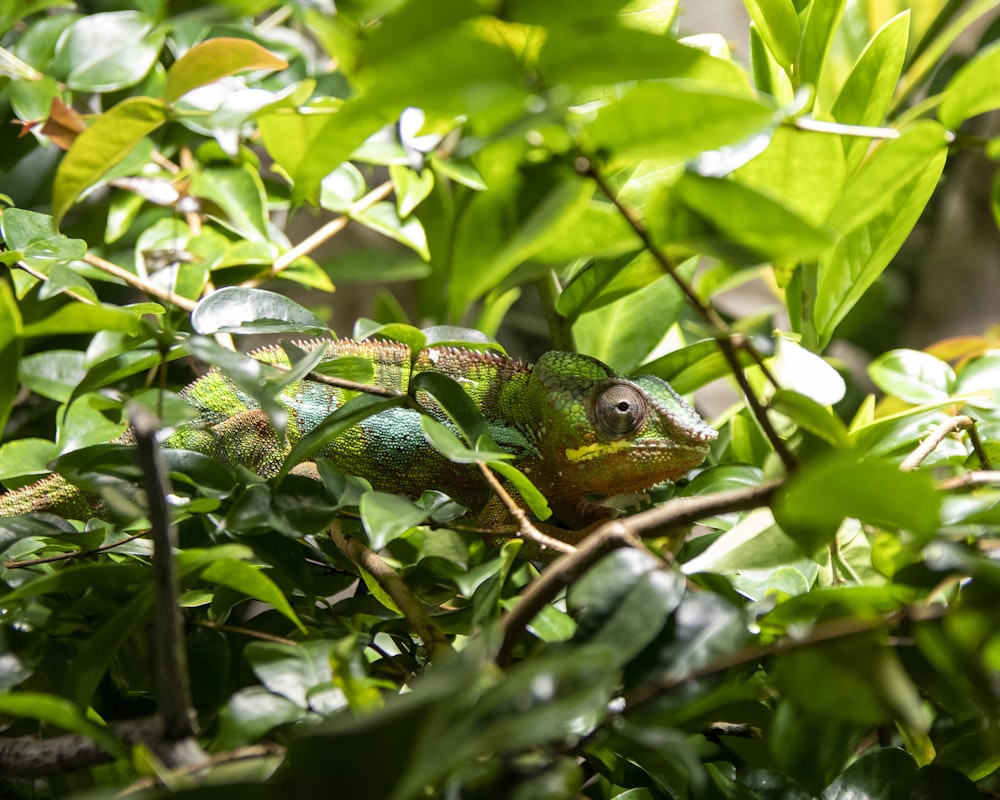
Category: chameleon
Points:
column 575, row 427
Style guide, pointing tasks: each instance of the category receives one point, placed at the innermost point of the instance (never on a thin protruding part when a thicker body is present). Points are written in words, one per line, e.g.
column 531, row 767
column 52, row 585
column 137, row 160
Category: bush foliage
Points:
column 573, row 174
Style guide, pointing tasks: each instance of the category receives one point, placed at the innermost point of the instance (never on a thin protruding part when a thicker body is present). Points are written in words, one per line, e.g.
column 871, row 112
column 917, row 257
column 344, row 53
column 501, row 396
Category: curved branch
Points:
column 610, row 536
column 408, row 603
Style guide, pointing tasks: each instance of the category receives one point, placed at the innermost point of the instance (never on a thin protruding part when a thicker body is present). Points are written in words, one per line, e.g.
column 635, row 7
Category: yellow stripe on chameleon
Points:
column 596, row 449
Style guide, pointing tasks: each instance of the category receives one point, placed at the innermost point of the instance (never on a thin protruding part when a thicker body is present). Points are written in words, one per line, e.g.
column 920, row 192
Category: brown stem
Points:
column 343, row 383
column 758, row 410
column 563, row 571
column 527, row 530
column 139, row 283
column 325, row 232
column 408, row 603
column 936, row 436
column 612, row 535
column 34, row 273
column 969, row 479
column 585, row 167
column 173, row 695
column 265, row 637
column 75, row 554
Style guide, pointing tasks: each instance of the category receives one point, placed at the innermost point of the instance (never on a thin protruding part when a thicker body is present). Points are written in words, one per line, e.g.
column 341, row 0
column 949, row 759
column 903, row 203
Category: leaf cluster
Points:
column 574, row 174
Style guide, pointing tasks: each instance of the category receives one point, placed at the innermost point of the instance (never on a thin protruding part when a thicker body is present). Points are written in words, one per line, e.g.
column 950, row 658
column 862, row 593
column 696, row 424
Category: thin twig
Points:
column 139, row 283
column 840, row 129
column 325, row 232
column 821, row 632
column 266, row 637
column 970, row 479
column 344, row 383
column 729, row 350
column 74, row 554
column 585, row 167
column 248, row 753
column 527, row 530
column 173, row 695
column 934, row 438
column 408, row 603
column 34, row 273
column 977, row 446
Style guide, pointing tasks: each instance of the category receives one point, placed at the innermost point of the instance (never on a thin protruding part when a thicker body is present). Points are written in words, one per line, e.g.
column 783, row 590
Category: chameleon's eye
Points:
column 620, row 410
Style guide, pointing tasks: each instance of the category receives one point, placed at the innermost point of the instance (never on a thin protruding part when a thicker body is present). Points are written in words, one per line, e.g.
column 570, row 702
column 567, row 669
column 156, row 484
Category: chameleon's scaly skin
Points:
column 576, row 429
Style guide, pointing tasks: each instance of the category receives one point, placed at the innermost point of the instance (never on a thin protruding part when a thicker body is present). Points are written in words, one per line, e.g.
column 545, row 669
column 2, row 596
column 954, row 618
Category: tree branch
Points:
column 408, row 603
column 173, row 695
column 325, row 232
column 526, row 529
column 723, row 337
column 610, row 536
column 938, row 435
column 139, row 283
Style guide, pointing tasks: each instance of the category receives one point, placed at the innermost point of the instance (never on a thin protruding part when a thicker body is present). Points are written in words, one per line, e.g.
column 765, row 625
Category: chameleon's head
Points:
column 605, row 434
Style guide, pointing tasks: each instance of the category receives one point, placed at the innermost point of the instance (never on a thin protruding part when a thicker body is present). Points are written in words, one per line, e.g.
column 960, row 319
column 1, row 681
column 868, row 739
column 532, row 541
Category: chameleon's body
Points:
column 575, row 427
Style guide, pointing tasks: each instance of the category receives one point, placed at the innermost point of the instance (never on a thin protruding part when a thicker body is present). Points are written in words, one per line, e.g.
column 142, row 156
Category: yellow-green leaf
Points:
column 214, row 59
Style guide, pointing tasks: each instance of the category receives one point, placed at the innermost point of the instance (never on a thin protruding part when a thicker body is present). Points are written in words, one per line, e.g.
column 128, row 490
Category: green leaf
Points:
column 234, row 309
column 974, row 90
column 691, row 367
column 822, row 20
column 827, row 490
column 53, row 374
column 28, row 456
column 778, row 25
column 249, row 580
column 546, row 209
column 898, row 190
column 457, row 404
column 700, row 119
column 377, row 266
column 239, row 192
column 103, row 145
column 383, row 218
column 388, row 516
column 535, row 500
column 623, row 602
column 80, row 318
column 733, row 222
column 912, row 376
column 561, row 12
column 62, row 713
column 213, row 59
column 862, row 679
column 291, row 670
column 411, row 187
column 802, row 170
column 444, row 440
column 890, row 167
column 105, row 52
column 251, row 713
column 10, row 349
column 567, row 57
column 755, row 542
column 309, row 143
column 623, row 333
column 603, row 282
column 36, row 238
column 867, row 92
column 811, row 416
